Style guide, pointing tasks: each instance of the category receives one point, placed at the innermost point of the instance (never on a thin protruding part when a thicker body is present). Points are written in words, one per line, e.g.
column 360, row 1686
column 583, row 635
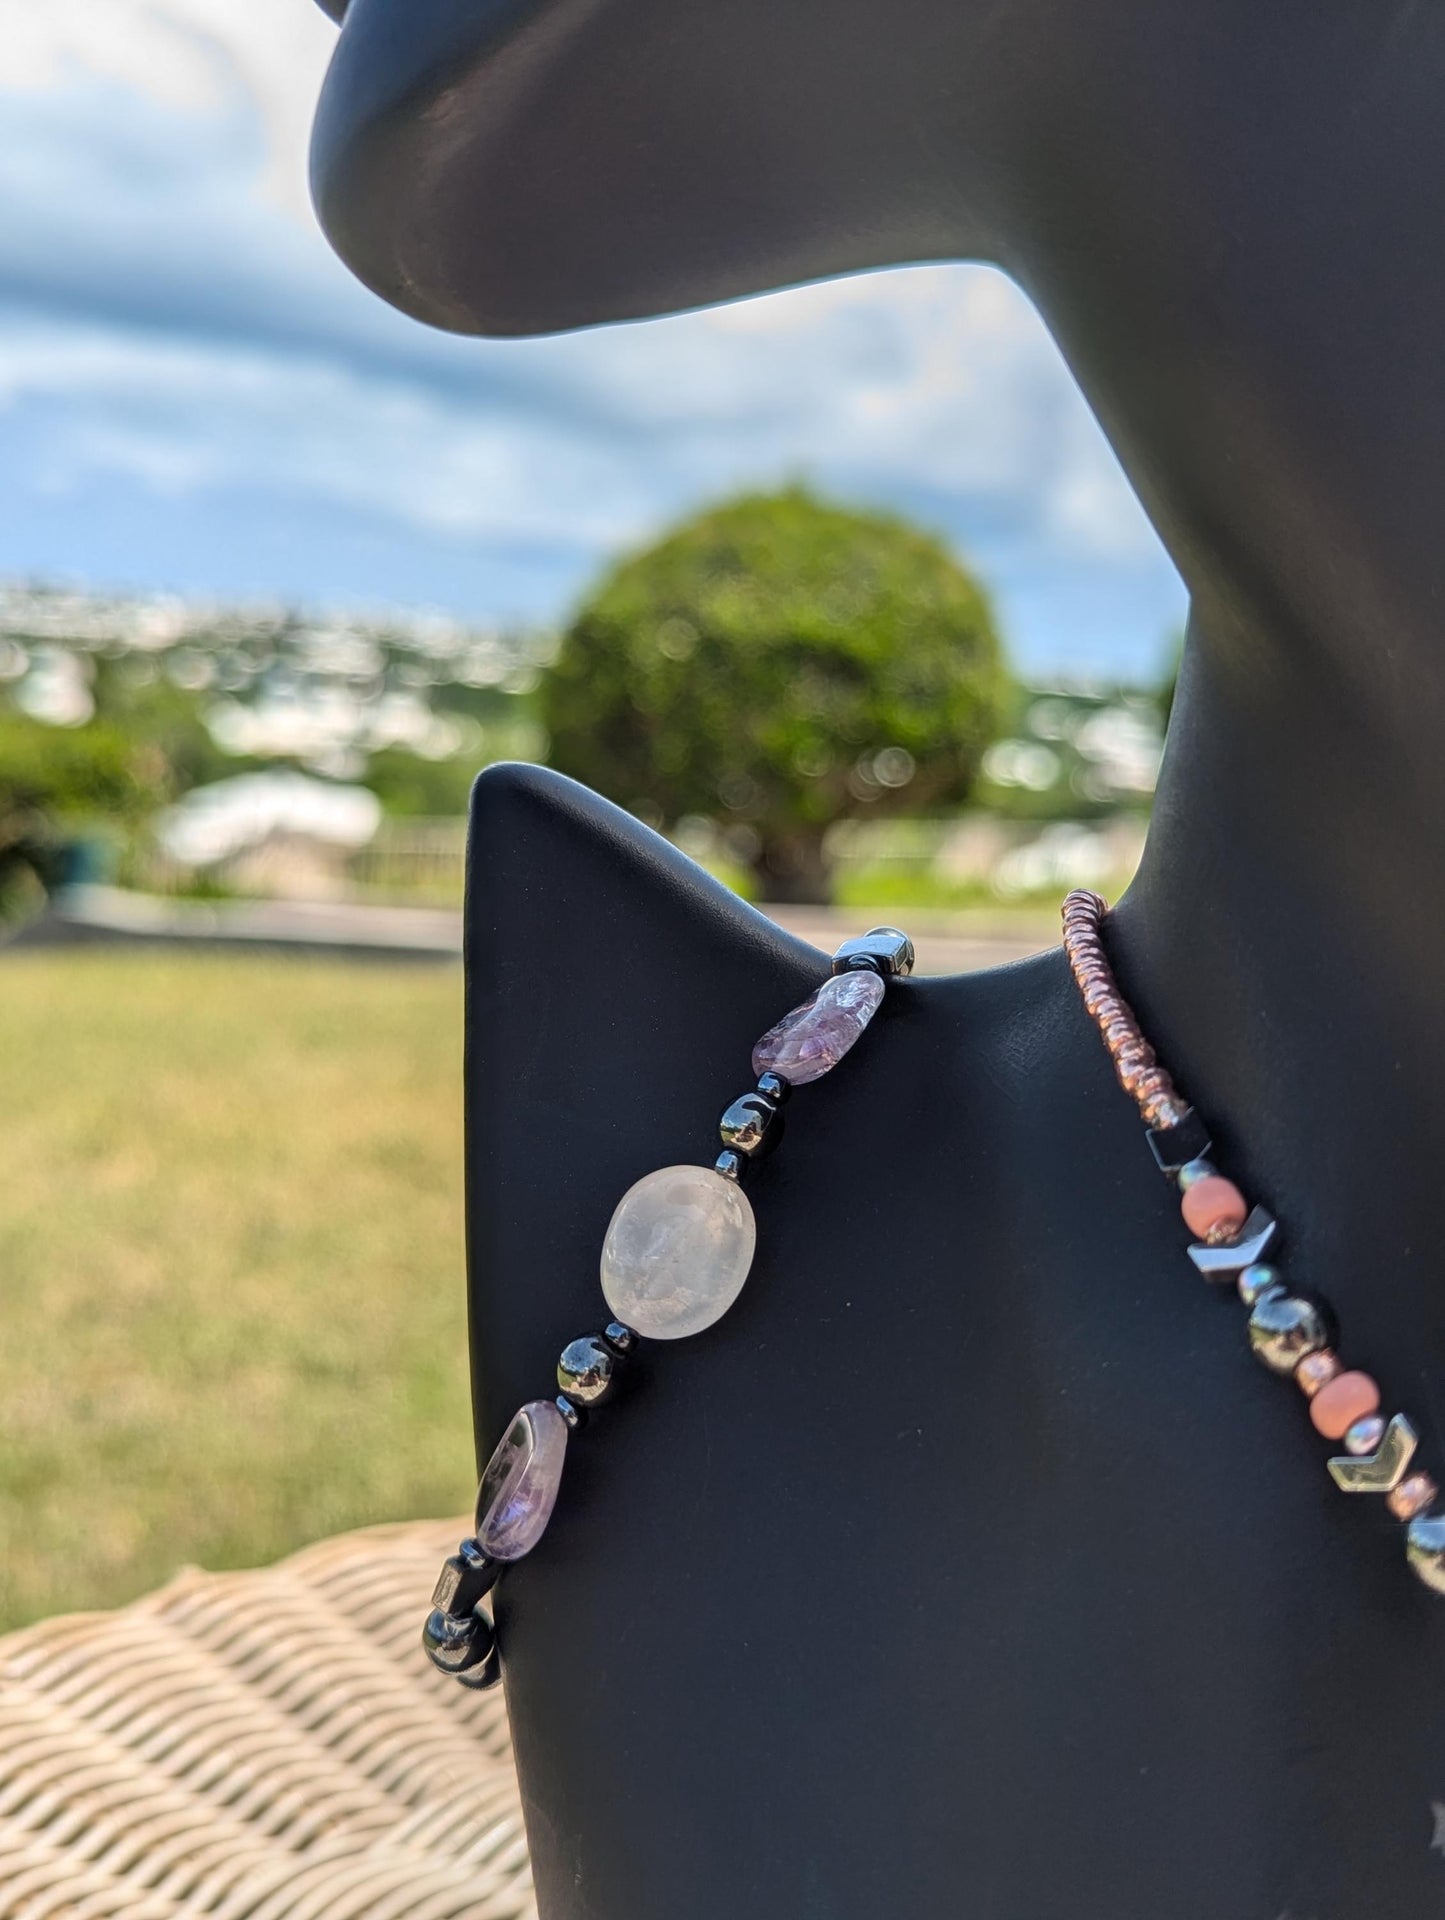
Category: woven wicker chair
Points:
column 258, row 1746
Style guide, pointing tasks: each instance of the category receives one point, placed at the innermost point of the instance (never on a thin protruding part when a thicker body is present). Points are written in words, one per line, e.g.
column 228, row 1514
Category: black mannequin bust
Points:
column 970, row 1565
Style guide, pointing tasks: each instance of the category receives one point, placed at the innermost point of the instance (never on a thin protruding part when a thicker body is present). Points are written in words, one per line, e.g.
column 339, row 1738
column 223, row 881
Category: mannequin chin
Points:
column 517, row 168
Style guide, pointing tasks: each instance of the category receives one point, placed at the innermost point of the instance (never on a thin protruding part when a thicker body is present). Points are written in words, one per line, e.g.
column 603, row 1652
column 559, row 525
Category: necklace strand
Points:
column 1292, row 1333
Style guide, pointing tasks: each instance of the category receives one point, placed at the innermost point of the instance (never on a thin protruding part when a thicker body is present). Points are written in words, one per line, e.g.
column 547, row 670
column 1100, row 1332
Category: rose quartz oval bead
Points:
column 1341, row 1402
column 519, row 1485
column 1213, row 1205
column 812, row 1039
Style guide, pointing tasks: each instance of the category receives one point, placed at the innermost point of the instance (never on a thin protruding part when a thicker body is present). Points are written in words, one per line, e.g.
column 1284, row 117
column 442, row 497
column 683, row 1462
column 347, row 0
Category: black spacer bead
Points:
column 1174, row 1147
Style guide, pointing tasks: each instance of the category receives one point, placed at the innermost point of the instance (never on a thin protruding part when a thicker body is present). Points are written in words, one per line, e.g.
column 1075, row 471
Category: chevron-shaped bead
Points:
column 1223, row 1262
column 1383, row 1470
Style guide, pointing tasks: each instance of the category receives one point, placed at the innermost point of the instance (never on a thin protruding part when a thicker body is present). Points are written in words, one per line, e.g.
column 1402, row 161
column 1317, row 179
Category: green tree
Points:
column 55, row 781
column 779, row 663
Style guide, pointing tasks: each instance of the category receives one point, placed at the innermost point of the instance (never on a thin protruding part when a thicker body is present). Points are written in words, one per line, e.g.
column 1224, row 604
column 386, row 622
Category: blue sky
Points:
column 194, row 394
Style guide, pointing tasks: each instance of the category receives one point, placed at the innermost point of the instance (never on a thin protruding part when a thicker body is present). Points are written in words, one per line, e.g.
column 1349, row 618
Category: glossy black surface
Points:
column 587, row 1370
column 1131, row 1654
column 751, row 1125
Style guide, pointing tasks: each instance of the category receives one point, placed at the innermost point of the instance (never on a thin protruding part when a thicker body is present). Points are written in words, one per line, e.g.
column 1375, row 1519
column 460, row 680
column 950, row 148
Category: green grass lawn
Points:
column 231, row 1295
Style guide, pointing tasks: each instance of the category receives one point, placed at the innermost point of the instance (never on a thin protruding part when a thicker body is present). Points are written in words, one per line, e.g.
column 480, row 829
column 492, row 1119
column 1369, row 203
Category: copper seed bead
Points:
column 1213, row 1207
column 1317, row 1370
column 1412, row 1496
column 1365, row 1436
column 1342, row 1401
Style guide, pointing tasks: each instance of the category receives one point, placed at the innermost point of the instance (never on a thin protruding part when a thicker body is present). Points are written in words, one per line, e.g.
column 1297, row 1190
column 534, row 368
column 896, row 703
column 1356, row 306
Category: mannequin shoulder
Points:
column 596, row 949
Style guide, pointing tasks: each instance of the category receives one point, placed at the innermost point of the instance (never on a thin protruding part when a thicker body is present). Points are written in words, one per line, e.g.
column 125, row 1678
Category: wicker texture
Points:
column 269, row 1745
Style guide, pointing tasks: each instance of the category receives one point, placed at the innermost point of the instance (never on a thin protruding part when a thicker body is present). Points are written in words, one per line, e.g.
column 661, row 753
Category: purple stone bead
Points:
column 519, row 1487
column 813, row 1038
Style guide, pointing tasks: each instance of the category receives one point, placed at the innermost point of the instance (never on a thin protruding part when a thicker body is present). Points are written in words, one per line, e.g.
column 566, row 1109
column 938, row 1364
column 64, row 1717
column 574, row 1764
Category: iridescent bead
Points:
column 1365, row 1435
column 1341, row 1402
column 1256, row 1281
column 1412, row 1496
column 813, row 1038
column 1425, row 1549
column 1192, row 1172
column 519, row 1486
column 679, row 1247
column 1283, row 1329
column 1213, row 1208
column 1316, row 1370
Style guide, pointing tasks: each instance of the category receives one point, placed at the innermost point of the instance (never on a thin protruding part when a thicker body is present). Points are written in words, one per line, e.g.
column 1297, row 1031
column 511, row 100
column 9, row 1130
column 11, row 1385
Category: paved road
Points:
column 110, row 916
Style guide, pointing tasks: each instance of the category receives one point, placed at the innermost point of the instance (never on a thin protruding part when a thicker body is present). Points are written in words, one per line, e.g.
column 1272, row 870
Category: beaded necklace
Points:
column 680, row 1245
column 674, row 1259
column 1292, row 1333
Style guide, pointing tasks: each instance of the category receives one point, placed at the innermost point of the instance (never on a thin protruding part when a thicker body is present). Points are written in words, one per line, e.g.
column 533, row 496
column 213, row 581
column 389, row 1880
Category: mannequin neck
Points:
column 1282, row 938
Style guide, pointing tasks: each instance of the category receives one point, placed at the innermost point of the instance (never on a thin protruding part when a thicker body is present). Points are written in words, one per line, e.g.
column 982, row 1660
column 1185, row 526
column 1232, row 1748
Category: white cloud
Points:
column 171, row 322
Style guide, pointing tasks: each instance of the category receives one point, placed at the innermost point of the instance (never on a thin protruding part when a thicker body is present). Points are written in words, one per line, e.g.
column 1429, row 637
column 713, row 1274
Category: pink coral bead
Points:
column 1342, row 1401
column 1213, row 1206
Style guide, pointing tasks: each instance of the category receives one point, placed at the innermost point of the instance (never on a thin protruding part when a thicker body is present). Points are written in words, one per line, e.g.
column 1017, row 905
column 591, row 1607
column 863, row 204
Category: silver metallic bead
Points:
column 729, row 1164
column 751, row 1126
column 1425, row 1549
column 575, row 1417
column 485, row 1674
column 587, row 1370
column 1224, row 1261
column 464, row 1579
column 1365, row 1435
column 1194, row 1171
column 885, row 950
column 621, row 1339
column 1283, row 1328
column 772, row 1086
column 1256, row 1281
column 456, row 1641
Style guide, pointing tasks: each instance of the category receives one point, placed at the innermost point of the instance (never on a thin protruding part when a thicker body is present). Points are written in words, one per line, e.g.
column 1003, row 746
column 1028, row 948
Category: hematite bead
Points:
column 621, row 1339
column 1425, row 1549
column 1194, row 1171
column 729, row 1164
column 575, row 1417
column 587, row 1371
column 885, row 950
column 1283, row 1328
column 1256, row 1281
column 751, row 1126
column 1174, row 1147
column 454, row 1642
column 485, row 1674
column 772, row 1086
column 464, row 1579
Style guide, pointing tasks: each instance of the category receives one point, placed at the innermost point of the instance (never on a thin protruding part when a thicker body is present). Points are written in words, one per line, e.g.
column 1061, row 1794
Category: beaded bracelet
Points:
column 1292, row 1333
column 674, row 1259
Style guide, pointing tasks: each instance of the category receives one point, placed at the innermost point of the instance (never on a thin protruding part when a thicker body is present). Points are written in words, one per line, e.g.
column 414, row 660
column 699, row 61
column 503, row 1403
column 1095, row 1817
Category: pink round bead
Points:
column 1213, row 1206
column 1342, row 1401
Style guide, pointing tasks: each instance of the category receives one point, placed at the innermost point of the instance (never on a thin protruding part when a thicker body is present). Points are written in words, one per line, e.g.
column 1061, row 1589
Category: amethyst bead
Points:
column 519, row 1486
column 812, row 1039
